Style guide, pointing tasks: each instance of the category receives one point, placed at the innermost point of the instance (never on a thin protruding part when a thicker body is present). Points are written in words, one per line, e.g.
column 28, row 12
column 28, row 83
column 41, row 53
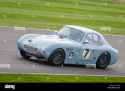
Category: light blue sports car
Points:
column 71, row 45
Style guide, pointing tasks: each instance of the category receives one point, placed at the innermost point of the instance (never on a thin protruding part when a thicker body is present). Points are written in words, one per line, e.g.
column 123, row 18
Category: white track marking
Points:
column 5, row 66
column 34, row 66
column 19, row 28
column 4, row 41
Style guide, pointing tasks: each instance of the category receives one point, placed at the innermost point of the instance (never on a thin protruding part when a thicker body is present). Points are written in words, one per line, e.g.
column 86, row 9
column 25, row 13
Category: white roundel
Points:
column 86, row 54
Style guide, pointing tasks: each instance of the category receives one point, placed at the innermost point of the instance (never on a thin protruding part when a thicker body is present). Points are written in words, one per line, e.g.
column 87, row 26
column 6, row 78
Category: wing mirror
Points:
column 60, row 35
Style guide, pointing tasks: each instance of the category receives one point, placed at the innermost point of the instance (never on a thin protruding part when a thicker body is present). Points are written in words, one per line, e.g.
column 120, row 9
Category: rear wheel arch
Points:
column 108, row 57
column 108, row 54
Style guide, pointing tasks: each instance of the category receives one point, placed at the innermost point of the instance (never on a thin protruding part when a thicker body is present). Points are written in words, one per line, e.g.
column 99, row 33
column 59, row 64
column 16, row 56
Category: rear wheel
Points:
column 24, row 55
column 103, row 60
column 57, row 57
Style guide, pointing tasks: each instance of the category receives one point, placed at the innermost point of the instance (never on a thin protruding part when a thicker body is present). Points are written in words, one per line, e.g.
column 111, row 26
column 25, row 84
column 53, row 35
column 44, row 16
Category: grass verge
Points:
column 104, row 16
column 24, row 78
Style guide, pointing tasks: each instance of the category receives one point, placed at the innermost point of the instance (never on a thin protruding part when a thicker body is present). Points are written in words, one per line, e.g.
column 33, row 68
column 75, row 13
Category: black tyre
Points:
column 103, row 61
column 24, row 55
column 57, row 57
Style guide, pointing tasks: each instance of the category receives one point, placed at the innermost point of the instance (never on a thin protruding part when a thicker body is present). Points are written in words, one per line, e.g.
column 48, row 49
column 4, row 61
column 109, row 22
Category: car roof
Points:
column 84, row 29
column 87, row 30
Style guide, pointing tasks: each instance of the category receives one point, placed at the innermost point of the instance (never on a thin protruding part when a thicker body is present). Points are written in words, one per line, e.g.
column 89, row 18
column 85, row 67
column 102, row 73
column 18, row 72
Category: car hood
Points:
column 47, row 40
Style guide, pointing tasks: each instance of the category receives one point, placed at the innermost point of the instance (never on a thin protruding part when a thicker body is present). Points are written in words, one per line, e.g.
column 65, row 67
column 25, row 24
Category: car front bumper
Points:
column 32, row 51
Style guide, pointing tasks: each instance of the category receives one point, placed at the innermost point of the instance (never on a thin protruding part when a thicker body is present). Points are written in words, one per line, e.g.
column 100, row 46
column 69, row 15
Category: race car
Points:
column 70, row 45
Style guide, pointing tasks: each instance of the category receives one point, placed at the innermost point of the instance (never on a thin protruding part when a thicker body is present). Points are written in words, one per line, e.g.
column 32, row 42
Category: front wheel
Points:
column 57, row 57
column 103, row 60
column 24, row 55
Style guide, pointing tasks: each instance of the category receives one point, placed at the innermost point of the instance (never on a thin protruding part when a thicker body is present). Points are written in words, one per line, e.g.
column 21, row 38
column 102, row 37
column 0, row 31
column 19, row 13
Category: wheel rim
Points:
column 104, row 61
column 58, row 59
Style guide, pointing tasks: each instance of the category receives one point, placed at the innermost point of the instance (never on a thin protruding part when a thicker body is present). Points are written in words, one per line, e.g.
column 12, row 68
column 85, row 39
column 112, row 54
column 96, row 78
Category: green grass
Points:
column 53, row 14
column 58, row 78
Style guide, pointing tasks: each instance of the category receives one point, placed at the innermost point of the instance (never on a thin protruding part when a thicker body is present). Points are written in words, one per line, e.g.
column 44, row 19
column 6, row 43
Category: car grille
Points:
column 30, row 49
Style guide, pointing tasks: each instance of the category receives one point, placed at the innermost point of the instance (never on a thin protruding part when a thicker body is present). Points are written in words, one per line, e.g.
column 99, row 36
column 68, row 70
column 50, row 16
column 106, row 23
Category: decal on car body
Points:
column 86, row 54
column 70, row 52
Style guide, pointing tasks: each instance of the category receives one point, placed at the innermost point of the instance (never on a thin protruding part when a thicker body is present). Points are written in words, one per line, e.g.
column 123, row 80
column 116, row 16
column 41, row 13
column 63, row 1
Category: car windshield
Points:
column 71, row 33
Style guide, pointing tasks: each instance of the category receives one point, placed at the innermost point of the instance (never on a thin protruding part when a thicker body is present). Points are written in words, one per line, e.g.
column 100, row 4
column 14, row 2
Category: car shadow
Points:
column 44, row 62
column 81, row 68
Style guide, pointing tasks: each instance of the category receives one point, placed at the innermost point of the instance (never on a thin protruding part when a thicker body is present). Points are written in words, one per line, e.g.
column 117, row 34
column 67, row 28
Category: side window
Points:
column 96, row 39
column 89, row 39
column 93, row 38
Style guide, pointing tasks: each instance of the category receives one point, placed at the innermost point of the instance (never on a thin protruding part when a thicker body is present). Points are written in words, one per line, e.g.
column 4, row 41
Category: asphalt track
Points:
column 12, row 62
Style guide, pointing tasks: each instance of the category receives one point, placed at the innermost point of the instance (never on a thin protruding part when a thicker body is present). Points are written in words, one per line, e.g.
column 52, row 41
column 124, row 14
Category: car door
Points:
column 90, row 46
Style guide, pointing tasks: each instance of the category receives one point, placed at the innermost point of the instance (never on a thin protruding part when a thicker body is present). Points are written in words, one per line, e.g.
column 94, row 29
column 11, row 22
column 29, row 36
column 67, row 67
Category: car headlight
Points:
column 43, row 51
